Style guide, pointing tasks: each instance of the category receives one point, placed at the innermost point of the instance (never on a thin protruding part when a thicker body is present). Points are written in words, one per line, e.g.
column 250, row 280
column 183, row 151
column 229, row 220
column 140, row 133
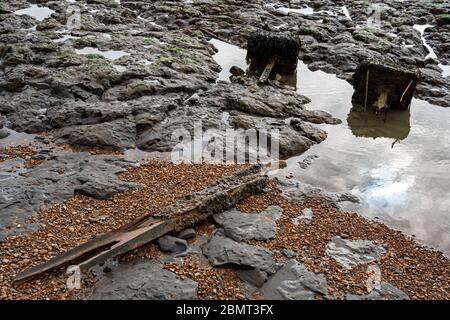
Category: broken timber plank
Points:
column 266, row 73
column 101, row 248
column 222, row 196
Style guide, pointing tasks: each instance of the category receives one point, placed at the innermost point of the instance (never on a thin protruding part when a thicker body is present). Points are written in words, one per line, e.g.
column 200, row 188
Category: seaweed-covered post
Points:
column 383, row 87
column 269, row 52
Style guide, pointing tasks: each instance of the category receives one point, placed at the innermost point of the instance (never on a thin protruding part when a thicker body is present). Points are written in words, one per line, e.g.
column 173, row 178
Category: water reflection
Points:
column 367, row 124
column 407, row 186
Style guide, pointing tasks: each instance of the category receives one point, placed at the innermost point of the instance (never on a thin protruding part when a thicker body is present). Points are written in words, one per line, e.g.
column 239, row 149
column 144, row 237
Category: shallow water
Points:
column 35, row 11
column 431, row 54
column 228, row 56
column 110, row 54
column 399, row 168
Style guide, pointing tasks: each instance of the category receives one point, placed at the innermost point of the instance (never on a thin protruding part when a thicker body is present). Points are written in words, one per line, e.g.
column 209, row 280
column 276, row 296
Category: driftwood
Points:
column 176, row 217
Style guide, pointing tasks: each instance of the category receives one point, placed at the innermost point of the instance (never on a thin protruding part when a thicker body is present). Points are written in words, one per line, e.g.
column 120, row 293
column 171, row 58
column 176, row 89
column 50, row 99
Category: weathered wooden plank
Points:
column 102, row 247
column 129, row 241
column 142, row 230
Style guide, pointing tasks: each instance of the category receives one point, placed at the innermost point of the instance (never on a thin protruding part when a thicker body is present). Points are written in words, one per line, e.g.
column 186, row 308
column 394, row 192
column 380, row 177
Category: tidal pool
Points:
column 35, row 11
column 110, row 54
column 399, row 168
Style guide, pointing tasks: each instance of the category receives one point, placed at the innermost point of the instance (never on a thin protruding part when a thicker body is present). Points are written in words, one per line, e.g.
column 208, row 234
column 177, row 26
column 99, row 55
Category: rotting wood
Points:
column 183, row 213
column 266, row 73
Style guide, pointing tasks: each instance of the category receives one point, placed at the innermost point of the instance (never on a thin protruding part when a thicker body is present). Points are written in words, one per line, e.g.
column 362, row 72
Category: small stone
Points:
column 289, row 253
column 305, row 217
column 187, row 233
column 172, row 244
column 3, row 133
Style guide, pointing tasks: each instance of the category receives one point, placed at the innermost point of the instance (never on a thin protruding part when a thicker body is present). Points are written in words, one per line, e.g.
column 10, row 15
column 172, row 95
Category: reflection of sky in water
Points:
column 385, row 186
column 405, row 185
column 227, row 60
column 35, row 11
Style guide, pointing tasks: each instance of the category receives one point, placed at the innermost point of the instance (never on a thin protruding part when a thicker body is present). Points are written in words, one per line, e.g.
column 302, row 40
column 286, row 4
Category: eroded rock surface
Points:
column 384, row 291
column 222, row 251
column 350, row 253
column 295, row 282
column 145, row 280
column 241, row 226
column 300, row 191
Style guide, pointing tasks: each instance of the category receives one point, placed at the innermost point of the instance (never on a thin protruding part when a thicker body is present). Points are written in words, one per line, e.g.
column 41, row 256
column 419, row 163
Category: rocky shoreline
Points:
column 282, row 244
column 74, row 102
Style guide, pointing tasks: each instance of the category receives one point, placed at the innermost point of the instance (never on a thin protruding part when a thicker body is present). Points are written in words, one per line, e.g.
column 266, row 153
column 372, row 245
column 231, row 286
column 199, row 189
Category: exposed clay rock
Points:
column 241, row 226
column 385, row 291
column 254, row 277
column 318, row 117
column 119, row 134
column 300, row 191
column 350, row 253
column 187, row 234
column 294, row 282
column 305, row 217
column 289, row 253
column 3, row 131
column 172, row 244
column 145, row 280
column 222, row 251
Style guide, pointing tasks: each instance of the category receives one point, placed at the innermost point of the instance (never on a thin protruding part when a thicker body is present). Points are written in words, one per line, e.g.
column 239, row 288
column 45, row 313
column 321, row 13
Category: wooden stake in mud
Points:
column 266, row 73
column 367, row 90
column 406, row 90
column 269, row 52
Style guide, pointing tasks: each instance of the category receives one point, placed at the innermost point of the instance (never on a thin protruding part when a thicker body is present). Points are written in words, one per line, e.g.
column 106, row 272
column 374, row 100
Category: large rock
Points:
column 241, row 226
column 295, row 282
column 350, row 253
column 145, row 280
column 120, row 133
column 222, row 251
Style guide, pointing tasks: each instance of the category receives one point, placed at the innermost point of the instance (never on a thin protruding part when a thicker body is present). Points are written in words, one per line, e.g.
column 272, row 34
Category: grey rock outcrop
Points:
column 187, row 234
column 241, row 226
column 300, row 191
column 350, row 253
column 385, row 291
column 172, row 244
column 222, row 251
column 295, row 282
column 144, row 280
